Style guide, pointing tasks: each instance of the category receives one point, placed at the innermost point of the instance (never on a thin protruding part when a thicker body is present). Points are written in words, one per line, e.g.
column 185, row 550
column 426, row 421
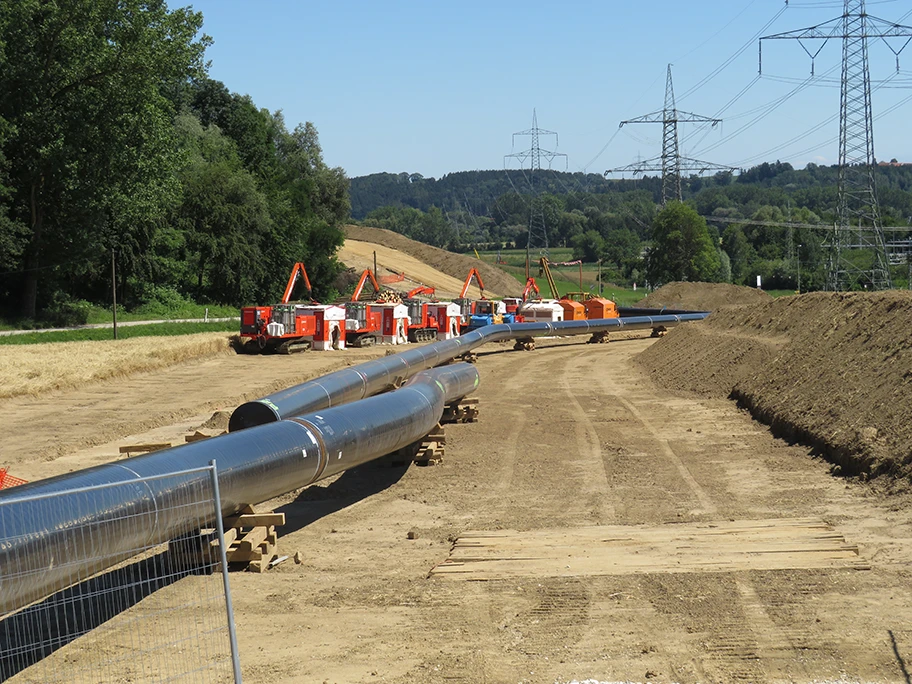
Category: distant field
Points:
column 566, row 278
column 38, row 368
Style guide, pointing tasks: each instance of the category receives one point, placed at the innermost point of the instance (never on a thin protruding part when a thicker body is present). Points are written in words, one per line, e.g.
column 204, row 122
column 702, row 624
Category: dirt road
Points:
column 627, row 534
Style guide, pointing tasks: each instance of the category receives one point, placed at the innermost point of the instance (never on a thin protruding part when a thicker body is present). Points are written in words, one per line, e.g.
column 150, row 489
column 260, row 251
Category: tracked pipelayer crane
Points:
column 281, row 327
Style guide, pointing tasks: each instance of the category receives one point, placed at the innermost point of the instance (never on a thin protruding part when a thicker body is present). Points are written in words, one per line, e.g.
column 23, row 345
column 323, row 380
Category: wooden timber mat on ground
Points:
column 777, row 544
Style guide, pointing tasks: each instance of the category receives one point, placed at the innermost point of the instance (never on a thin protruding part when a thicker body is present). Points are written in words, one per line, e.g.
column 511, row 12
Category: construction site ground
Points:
column 655, row 534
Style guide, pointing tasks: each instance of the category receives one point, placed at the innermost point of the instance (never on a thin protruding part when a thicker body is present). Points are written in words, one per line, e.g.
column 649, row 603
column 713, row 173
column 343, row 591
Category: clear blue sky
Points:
column 431, row 88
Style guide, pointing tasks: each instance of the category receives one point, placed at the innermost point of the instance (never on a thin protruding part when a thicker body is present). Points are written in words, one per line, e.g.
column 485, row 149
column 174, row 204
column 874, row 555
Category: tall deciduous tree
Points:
column 90, row 154
column 681, row 248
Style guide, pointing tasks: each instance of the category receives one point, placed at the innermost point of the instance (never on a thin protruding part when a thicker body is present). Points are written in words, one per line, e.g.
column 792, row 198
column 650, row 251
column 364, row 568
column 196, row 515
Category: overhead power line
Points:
column 856, row 193
column 671, row 163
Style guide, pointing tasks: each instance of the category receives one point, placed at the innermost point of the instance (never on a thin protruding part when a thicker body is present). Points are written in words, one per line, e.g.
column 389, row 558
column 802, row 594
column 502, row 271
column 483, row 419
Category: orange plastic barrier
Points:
column 7, row 480
column 397, row 278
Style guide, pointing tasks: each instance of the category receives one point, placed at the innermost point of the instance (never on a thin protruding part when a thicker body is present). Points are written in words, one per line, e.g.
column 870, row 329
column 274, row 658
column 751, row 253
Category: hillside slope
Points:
column 455, row 265
column 359, row 255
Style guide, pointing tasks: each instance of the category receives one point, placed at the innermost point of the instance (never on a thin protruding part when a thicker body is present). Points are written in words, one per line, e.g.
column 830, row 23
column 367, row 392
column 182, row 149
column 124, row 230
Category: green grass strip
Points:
column 123, row 332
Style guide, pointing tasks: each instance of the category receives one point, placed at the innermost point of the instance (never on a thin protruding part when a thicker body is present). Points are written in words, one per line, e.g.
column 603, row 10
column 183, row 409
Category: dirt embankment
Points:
column 703, row 296
column 832, row 370
column 455, row 265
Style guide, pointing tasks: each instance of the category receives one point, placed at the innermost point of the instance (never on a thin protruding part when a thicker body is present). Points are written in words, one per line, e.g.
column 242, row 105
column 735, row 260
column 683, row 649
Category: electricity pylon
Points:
column 671, row 163
column 858, row 224
column 538, row 231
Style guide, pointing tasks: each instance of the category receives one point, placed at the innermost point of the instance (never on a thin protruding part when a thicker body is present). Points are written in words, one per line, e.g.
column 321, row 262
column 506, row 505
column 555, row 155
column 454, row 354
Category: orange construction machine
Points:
column 363, row 319
column 284, row 327
column 467, row 305
column 423, row 314
column 579, row 305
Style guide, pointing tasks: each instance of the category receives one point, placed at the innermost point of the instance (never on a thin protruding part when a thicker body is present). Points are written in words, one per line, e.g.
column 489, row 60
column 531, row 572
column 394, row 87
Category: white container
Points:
column 394, row 323
column 330, row 327
column 275, row 329
column 448, row 317
column 542, row 311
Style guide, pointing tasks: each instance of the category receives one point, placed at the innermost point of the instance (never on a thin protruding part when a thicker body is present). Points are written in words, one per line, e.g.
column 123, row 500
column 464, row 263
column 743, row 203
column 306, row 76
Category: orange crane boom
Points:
column 368, row 274
column 468, row 281
column 298, row 270
column 420, row 290
column 530, row 287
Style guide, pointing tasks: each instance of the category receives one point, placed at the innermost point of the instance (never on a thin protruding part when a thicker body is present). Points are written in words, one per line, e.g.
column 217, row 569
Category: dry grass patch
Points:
column 37, row 368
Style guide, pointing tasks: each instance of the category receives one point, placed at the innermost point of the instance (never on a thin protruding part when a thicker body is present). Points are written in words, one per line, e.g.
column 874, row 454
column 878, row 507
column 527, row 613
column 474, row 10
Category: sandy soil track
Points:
column 571, row 436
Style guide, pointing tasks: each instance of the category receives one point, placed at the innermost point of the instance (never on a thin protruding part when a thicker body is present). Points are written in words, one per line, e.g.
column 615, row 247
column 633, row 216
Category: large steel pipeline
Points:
column 626, row 311
column 366, row 379
column 53, row 537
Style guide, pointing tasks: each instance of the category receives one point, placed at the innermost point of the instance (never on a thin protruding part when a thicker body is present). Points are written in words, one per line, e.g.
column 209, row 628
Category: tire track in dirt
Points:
column 589, row 443
column 614, row 391
column 776, row 648
column 515, row 398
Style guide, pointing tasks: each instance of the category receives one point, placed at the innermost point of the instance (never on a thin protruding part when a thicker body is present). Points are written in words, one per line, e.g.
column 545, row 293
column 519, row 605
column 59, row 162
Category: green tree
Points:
column 681, row 248
column 588, row 246
column 622, row 248
column 739, row 252
column 90, row 154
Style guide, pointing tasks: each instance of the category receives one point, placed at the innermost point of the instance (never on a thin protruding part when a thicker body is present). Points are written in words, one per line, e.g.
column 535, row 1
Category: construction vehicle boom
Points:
column 545, row 270
column 420, row 290
column 296, row 272
column 531, row 287
column 468, row 281
column 367, row 275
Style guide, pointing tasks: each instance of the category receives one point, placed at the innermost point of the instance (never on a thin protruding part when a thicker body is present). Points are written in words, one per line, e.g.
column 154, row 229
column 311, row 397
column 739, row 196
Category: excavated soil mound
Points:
column 832, row 370
column 703, row 296
column 455, row 265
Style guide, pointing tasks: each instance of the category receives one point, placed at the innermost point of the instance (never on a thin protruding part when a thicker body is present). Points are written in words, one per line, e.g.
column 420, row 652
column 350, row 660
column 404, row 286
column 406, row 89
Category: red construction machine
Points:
column 423, row 323
column 281, row 328
column 363, row 320
column 467, row 305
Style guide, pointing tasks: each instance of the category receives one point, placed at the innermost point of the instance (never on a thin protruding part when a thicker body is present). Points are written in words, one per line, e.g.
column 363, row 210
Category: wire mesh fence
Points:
column 126, row 607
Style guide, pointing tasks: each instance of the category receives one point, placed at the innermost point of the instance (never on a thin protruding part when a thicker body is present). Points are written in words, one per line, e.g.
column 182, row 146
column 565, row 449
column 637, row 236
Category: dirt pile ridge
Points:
column 703, row 296
column 833, row 370
column 455, row 265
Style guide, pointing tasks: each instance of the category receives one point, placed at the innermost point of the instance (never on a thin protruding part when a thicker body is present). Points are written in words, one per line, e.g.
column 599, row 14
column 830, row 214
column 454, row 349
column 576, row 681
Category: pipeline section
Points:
column 52, row 536
column 372, row 377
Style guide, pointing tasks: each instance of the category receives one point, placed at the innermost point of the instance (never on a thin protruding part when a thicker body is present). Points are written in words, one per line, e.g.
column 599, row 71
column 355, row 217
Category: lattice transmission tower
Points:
column 538, row 231
column 671, row 164
column 857, row 253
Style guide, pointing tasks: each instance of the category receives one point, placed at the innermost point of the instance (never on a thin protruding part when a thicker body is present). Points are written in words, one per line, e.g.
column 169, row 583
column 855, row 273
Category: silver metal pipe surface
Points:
column 53, row 536
column 376, row 376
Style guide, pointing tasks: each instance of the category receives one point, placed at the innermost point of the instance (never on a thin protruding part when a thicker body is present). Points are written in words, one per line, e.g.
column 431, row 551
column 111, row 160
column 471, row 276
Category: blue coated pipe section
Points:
column 51, row 534
column 372, row 377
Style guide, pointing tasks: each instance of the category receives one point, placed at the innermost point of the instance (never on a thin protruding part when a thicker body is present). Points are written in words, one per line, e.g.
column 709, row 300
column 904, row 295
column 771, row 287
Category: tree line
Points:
column 115, row 143
column 617, row 221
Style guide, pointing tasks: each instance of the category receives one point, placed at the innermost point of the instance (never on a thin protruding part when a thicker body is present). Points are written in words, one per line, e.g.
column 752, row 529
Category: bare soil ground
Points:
column 576, row 447
column 454, row 265
column 831, row 370
column 703, row 296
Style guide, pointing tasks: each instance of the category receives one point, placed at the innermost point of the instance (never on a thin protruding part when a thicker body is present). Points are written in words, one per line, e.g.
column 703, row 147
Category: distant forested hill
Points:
column 611, row 220
column 813, row 187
